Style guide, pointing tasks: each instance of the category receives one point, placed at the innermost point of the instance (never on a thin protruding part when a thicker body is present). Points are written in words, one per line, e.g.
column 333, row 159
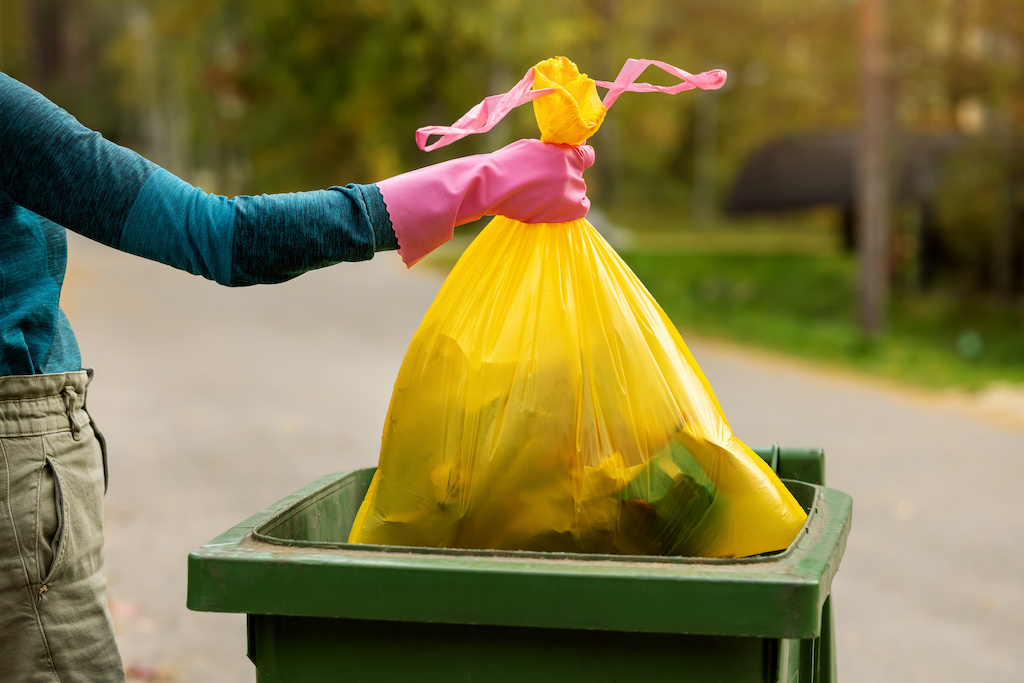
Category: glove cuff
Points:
column 420, row 216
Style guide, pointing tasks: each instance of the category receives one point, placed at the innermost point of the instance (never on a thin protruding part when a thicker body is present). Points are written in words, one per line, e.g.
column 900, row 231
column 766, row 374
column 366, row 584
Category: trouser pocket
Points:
column 51, row 523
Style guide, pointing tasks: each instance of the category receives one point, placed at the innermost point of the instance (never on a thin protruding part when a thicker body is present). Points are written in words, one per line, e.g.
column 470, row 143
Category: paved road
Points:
column 217, row 402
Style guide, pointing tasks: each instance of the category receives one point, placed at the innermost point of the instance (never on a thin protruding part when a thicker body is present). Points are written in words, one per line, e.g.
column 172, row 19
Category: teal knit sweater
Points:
column 56, row 174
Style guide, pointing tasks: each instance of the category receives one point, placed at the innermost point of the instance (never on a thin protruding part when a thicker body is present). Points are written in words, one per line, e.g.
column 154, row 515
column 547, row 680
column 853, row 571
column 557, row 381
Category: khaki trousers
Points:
column 54, row 622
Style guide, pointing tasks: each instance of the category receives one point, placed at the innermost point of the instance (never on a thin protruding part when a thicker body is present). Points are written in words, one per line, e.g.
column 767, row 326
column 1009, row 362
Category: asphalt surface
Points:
column 217, row 402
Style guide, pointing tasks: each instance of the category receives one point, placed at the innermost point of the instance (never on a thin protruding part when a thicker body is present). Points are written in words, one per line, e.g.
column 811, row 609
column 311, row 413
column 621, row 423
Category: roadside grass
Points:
column 789, row 288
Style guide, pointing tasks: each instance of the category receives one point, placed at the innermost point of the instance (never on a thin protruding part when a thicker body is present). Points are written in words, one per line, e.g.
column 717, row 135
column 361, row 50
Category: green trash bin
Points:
column 320, row 609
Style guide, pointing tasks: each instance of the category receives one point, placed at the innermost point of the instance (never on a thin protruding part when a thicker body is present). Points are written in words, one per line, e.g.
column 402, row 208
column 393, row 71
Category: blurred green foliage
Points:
column 801, row 303
column 322, row 92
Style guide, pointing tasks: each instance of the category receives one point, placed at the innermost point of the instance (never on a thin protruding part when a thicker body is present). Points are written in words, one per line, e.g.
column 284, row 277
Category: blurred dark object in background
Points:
column 934, row 192
column 818, row 168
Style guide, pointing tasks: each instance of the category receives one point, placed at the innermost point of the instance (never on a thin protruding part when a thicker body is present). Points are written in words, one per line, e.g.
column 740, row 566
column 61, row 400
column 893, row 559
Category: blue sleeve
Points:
column 59, row 169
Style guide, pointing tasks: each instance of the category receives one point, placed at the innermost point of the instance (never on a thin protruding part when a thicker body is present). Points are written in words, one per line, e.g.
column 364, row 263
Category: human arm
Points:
column 59, row 169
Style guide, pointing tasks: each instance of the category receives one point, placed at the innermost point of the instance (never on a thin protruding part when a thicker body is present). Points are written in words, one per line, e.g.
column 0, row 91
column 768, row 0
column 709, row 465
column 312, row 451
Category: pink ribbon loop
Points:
column 493, row 109
column 483, row 116
column 631, row 70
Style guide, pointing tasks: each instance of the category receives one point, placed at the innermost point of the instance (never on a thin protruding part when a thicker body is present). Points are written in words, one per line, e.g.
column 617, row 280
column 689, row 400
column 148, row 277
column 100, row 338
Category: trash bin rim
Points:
column 261, row 534
column 781, row 597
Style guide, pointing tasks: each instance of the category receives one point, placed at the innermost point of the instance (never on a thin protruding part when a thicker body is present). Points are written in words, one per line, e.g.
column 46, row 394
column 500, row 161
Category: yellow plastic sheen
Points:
column 546, row 402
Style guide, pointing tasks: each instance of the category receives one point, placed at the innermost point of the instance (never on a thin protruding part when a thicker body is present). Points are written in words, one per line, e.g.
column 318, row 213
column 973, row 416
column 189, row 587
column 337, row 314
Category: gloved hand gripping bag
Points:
column 547, row 403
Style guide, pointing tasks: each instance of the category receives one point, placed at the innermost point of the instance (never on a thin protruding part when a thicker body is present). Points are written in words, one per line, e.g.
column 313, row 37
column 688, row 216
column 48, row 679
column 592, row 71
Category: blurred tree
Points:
column 962, row 70
column 873, row 171
column 51, row 45
column 325, row 92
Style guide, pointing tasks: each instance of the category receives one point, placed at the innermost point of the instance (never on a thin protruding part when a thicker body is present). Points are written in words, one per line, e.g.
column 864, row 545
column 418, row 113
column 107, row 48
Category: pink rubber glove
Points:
column 528, row 181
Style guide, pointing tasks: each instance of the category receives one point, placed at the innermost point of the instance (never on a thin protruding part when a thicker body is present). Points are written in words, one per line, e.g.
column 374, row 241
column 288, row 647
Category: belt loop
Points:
column 70, row 396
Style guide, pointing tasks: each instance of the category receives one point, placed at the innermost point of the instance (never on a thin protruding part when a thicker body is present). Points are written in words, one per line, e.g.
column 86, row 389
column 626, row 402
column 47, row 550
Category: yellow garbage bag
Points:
column 546, row 402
